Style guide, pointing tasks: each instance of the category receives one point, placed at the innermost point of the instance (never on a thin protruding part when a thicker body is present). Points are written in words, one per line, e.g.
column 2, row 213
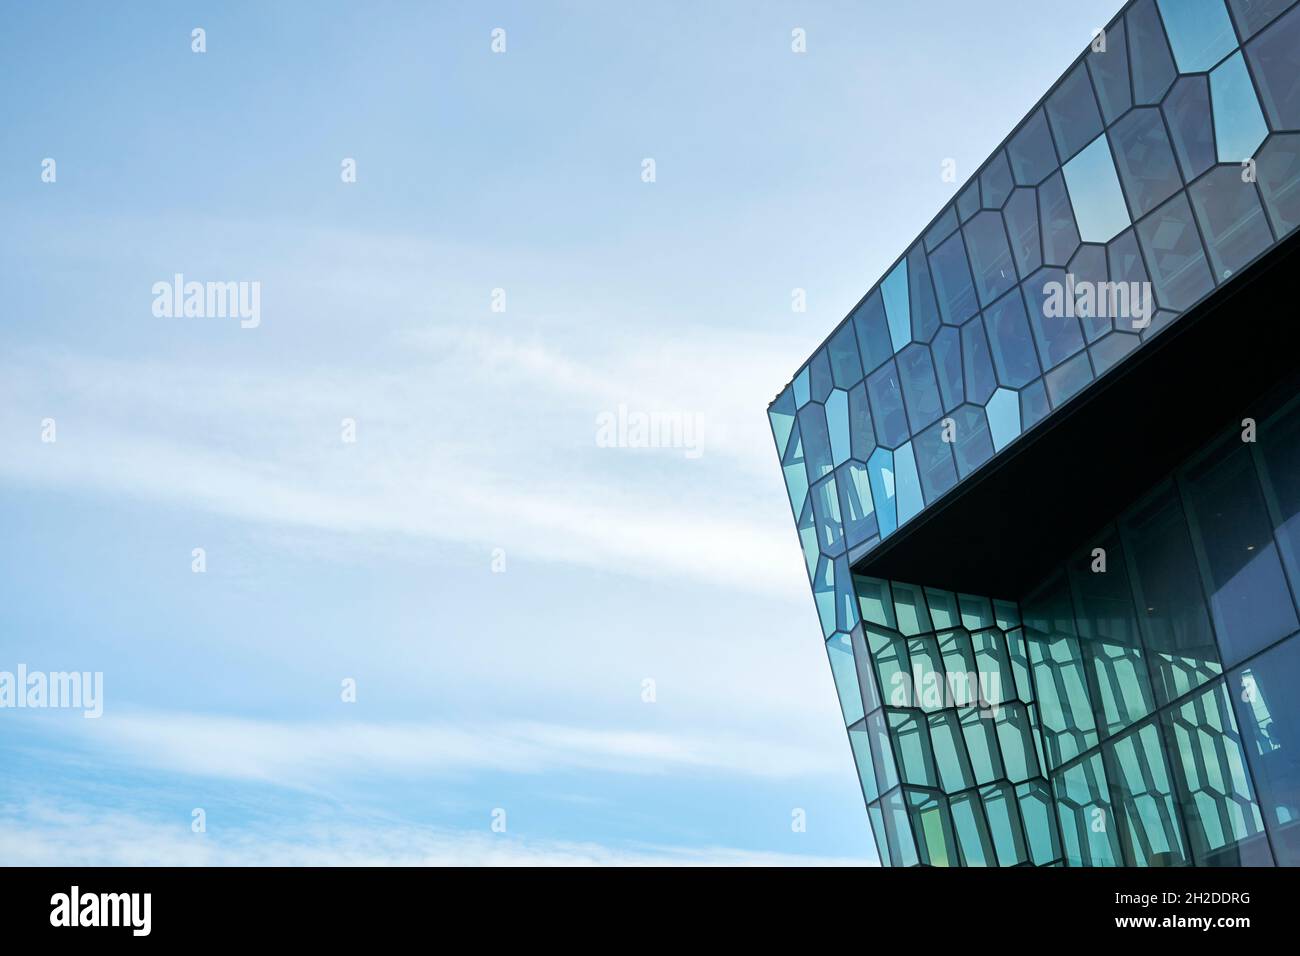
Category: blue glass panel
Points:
column 1145, row 160
column 952, row 281
column 1060, row 234
column 907, row 483
column 1021, row 214
column 880, row 469
column 1003, row 412
column 1279, row 181
column 887, row 406
column 1095, row 194
column 1072, row 110
column 990, row 258
column 1111, row 349
column 1199, row 31
column 801, row 396
column 996, row 181
column 824, row 594
column 1187, row 111
column 894, row 291
column 856, row 506
column 1239, row 125
column 1033, row 158
column 817, row 441
column 1125, row 259
column 1232, row 219
column 925, row 311
column 1069, row 379
column 947, row 358
column 920, row 390
column 826, row 510
column 1109, row 70
column 873, row 332
column 1056, row 330
column 837, row 423
column 1253, row 15
column 1033, row 404
column 860, row 429
column 1268, row 713
column 1152, row 63
column 1093, row 304
column 1232, row 535
column 1012, row 343
column 973, row 446
column 846, row 367
column 819, row 376
column 1275, row 60
column 976, row 362
column 781, row 416
column 968, row 203
column 808, row 539
column 1174, row 255
column 934, row 461
column 943, row 227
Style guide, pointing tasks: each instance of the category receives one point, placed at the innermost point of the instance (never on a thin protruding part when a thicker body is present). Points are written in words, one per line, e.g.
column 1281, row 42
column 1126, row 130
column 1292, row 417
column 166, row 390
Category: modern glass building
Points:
column 1046, row 474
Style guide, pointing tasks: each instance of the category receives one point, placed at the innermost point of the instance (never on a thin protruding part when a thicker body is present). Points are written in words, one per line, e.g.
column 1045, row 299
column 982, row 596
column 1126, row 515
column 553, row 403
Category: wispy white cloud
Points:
column 40, row 835
column 318, row 754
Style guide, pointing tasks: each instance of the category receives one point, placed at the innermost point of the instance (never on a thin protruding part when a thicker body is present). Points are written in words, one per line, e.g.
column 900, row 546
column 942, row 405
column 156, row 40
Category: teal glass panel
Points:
column 943, row 608
column 910, row 610
column 1151, row 832
column 912, row 744
column 979, row 731
column 928, row 689
column 1039, row 818
column 1004, row 825
column 976, row 611
column 801, row 395
column 781, row 417
column 894, row 291
column 877, row 817
column 959, row 664
column 1268, row 712
column 1199, row 32
column 950, row 752
column 874, row 602
column 844, row 670
column 1003, row 411
column 795, row 470
column 807, row 526
column 1095, row 194
column 1018, row 653
column 973, row 837
column 893, row 665
column 932, row 824
column 882, row 753
column 1239, row 126
column 1060, row 674
column 1015, row 738
column 826, row 511
column 860, row 741
column 898, row 830
column 1088, row 827
column 1224, row 824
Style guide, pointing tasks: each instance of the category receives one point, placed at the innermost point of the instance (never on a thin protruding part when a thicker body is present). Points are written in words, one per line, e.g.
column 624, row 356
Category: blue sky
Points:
column 476, row 430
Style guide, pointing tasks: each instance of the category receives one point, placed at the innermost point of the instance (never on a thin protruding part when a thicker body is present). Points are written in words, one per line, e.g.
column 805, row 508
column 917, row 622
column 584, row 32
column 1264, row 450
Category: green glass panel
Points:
column 972, row 831
column 882, row 754
column 1015, row 737
column 912, row 744
column 950, row 752
column 979, row 733
column 844, row 669
column 1224, row 825
column 860, row 741
column 877, row 817
column 993, row 666
column 1060, row 677
column 976, row 612
column 1006, row 614
column 1088, row 826
column 909, row 605
column 1040, row 822
column 943, row 609
column 1143, row 797
column 898, row 829
column 1004, row 825
column 1019, row 657
column 893, row 667
column 928, row 690
column 959, row 663
column 874, row 601
column 932, row 824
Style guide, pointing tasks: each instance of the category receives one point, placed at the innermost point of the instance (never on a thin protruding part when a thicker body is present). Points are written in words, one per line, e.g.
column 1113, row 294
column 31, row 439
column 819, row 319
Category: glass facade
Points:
column 1134, row 708
column 1130, row 709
